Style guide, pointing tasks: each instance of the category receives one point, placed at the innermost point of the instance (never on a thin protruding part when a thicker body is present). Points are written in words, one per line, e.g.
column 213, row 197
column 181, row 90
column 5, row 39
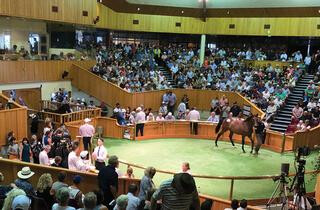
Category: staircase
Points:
column 283, row 118
column 167, row 74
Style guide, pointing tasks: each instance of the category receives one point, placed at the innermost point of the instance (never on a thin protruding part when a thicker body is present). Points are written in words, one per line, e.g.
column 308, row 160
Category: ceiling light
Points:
column 182, row 11
column 138, row 9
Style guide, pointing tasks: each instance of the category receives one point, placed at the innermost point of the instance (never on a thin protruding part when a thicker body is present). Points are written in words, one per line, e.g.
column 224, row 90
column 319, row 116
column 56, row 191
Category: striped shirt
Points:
column 171, row 199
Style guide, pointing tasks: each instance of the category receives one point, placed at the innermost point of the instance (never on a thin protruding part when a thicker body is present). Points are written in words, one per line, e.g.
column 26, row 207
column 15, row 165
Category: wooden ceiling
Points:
column 124, row 7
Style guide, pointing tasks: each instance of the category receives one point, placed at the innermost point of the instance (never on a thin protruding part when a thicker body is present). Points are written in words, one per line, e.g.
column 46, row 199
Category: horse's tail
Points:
column 219, row 126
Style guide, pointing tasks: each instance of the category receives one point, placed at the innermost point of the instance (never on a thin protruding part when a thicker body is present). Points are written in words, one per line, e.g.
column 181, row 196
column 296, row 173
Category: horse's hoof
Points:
column 251, row 152
column 243, row 151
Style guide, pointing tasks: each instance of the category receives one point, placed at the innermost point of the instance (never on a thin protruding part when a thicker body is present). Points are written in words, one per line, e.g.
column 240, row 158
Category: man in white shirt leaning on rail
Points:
column 194, row 117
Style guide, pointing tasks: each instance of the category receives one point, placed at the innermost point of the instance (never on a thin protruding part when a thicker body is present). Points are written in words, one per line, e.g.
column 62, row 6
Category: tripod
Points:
column 281, row 188
column 300, row 200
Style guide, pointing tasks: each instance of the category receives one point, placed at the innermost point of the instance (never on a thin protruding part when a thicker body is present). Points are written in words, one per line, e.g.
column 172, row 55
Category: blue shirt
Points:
column 25, row 185
column 133, row 202
column 145, row 185
column 58, row 207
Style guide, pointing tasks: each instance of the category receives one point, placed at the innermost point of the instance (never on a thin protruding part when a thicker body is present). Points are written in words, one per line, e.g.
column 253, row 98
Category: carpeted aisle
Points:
column 205, row 159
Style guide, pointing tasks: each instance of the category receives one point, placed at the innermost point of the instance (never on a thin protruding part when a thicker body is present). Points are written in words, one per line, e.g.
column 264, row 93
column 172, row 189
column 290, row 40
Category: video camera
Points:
column 302, row 152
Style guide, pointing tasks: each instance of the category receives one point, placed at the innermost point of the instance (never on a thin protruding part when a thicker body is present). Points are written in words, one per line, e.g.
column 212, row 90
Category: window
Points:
column 5, row 41
column 212, row 46
column 99, row 39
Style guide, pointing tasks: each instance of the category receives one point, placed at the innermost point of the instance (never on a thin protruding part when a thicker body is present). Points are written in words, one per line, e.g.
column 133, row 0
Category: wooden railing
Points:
column 73, row 116
column 110, row 127
column 36, row 71
column 261, row 64
column 45, row 105
column 9, row 168
column 308, row 138
column 14, row 119
column 174, row 129
column 232, row 179
column 112, row 94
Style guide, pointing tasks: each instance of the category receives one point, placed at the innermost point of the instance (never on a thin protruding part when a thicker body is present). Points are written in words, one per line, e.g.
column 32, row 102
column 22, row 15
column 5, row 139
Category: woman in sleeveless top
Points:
column 25, row 150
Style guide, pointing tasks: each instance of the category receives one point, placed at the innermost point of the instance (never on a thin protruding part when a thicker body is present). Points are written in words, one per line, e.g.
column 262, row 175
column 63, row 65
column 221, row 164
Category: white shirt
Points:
column 101, row 153
column 43, row 158
column 194, row 115
column 214, row 119
column 140, row 117
column 73, row 161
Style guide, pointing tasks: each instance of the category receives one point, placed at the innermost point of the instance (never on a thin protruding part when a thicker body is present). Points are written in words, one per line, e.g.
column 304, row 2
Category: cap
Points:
column 21, row 202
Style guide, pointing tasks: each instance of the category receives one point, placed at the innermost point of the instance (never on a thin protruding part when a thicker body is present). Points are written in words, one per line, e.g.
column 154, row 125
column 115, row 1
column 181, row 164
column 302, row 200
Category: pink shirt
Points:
column 194, row 115
column 86, row 130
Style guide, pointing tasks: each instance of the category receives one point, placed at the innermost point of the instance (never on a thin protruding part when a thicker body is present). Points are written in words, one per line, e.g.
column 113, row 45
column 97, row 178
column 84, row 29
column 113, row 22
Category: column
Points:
column 202, row 47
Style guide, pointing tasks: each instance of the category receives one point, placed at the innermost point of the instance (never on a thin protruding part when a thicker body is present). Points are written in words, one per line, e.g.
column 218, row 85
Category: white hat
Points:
column 84, row 154
column 139, row 109
column 25, row 173
column 87, row 120
column 169, row 114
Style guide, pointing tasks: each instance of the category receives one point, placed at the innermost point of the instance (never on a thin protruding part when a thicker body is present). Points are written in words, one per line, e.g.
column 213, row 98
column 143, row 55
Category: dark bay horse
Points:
column 237, row 126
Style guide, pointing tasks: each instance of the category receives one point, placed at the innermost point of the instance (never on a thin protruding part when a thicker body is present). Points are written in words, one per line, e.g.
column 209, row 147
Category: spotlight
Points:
column 138, row 9
column 182, row 11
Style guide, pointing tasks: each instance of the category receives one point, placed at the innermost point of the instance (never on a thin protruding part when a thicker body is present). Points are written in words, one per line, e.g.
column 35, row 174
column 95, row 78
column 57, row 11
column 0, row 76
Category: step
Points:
column 276, row 125
column 284, row 115
column 282, row 122
column 282, row 118
column 295, row 97
column 279, row 129
column 287, row 109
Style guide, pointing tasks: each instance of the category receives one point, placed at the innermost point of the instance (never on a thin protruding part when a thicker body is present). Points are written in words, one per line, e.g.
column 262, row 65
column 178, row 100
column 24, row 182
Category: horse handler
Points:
column 260, row 134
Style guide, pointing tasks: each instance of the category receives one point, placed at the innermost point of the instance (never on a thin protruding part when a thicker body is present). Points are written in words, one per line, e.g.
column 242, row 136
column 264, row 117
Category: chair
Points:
column 38, row 203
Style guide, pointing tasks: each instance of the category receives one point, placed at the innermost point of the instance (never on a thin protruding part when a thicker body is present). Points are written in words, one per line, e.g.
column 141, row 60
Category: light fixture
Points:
column 138, row 9
column 228, row 12
column 182, row 11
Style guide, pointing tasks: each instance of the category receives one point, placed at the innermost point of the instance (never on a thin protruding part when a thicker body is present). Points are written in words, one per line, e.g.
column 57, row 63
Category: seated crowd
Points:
column 306, row 114
column 22, row 53
column 136, row 68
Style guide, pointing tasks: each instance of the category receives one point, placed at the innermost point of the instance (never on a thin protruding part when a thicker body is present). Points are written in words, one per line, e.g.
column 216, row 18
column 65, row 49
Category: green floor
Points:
column 204, row 159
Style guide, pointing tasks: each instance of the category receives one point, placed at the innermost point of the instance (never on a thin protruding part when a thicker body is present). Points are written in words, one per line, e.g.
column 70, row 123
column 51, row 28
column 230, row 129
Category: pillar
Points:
column 202, row 48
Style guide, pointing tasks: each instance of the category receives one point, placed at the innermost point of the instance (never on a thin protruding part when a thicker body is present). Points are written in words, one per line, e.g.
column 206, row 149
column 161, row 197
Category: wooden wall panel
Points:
column 31, row 96
column 13, row 120
column 69, row 11
column 243, row 26
column 36, row 71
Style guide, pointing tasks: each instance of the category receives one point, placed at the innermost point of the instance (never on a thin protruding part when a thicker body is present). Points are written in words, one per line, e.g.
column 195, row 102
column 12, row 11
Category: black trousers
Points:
column 171, row 109
column 86, row 143
column 260, row 141
column 140, row 128
column 194, row 128
column 99, row 165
